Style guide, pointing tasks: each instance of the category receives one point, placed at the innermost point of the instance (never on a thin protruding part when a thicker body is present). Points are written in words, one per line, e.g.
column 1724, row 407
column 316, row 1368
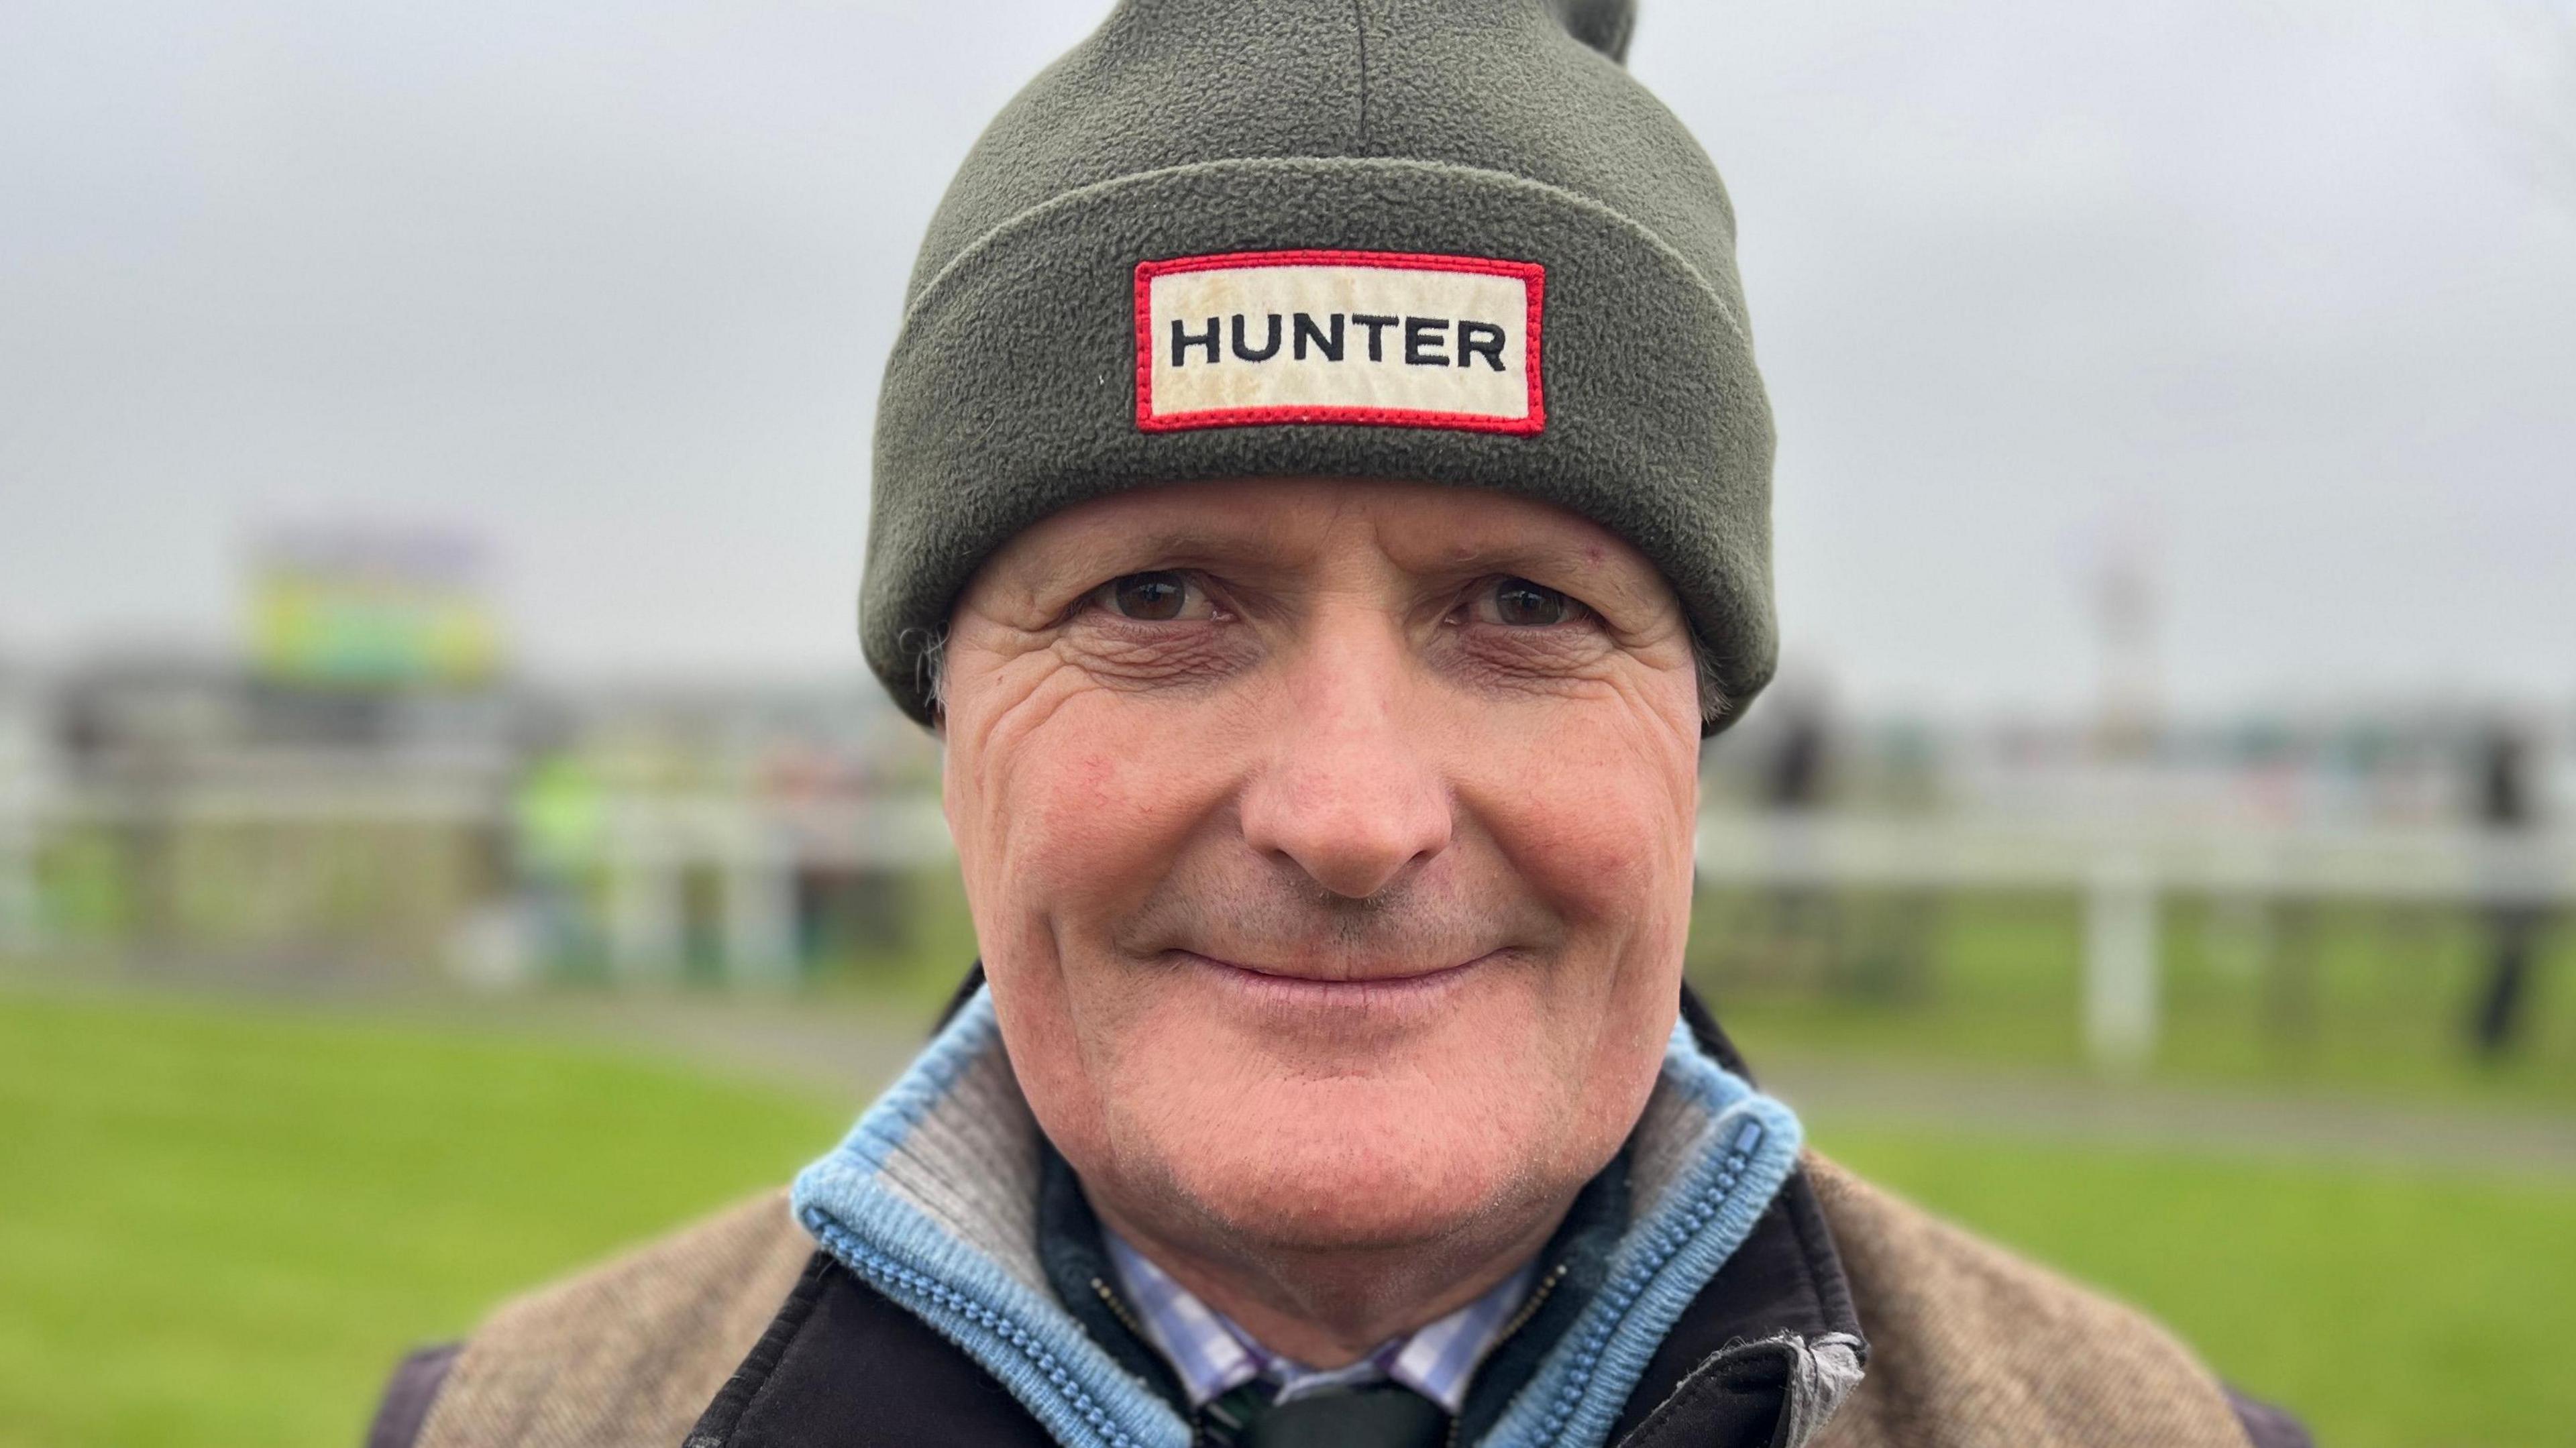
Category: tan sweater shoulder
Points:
column 626, row 1353
column 1970, row 1344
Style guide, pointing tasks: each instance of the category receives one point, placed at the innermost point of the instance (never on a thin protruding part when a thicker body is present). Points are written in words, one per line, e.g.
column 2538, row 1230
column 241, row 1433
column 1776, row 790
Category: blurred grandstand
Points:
column 275, row 818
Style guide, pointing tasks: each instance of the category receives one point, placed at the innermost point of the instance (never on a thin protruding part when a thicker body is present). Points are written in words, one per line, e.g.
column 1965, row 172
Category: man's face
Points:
column 1329, row 847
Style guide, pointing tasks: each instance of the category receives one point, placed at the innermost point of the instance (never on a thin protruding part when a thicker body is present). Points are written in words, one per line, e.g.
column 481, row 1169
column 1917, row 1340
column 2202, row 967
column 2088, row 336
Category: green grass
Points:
column 2390, row 1310
column 220, row 1227
column 2347, row 1000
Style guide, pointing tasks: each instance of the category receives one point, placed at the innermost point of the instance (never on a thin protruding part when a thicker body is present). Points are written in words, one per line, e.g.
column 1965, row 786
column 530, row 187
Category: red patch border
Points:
column 1532, row 274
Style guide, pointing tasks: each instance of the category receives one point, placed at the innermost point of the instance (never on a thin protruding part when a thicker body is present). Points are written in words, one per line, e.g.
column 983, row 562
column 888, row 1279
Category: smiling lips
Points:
column 1341, row 977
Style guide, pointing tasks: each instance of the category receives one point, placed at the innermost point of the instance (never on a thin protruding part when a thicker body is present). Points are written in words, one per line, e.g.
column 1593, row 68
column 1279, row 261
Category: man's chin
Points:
column 1340, row 1181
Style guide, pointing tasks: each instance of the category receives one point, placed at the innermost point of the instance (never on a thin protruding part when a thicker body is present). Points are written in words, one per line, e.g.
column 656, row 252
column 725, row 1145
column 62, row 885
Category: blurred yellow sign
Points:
column 372, row 609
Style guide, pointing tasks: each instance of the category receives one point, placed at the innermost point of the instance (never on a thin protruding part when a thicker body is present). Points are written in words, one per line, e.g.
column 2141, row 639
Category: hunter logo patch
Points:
column 1391, row 338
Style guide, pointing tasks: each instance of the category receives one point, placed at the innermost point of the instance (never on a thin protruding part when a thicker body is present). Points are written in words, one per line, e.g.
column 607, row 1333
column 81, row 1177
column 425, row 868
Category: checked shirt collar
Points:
column 1213, row 1356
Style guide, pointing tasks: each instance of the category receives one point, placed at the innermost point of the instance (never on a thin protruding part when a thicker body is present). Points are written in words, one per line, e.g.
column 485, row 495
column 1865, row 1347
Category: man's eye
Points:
column 1523, row 604
column 1149, row 597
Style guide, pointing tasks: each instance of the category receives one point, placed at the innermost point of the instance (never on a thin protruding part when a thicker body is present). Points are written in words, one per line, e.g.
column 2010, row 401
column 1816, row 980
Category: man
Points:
column 2514, row 925
column 1322, row 502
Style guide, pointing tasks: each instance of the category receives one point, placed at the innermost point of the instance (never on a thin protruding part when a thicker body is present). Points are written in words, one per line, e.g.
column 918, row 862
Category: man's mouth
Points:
column 1342, row 977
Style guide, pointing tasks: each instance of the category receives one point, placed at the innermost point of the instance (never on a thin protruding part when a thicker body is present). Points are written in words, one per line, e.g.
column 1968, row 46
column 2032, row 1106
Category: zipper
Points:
column 1537, row 1299
column 1202, row 1433
column 1118, row 1309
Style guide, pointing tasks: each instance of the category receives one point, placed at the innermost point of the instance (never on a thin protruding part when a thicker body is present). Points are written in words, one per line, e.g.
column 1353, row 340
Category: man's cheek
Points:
column 1099, row 825
column 1592, row 841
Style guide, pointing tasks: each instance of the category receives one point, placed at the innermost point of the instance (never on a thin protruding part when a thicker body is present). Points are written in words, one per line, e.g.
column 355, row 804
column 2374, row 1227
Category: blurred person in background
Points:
column 2508, row 810
column 1322, row 502
column 1804, row 920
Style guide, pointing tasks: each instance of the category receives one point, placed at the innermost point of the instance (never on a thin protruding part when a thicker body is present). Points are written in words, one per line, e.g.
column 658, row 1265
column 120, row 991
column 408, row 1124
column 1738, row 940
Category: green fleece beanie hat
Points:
column 1442, row 240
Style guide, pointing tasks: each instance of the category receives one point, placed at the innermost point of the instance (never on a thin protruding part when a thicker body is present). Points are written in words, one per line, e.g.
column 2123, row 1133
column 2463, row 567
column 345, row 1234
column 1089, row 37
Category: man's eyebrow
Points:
column 1566, row 561
column 1187, row 544
column 1192, row 541
column 1119, row 547
column 1103, row 551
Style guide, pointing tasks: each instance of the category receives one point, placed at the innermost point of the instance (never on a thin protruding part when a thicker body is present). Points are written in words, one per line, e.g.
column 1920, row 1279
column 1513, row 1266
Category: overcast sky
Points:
column 2278, row 299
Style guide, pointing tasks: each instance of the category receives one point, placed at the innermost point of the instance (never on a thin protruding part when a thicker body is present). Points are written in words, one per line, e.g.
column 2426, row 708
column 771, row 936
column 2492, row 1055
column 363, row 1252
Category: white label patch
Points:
column 1391, row 338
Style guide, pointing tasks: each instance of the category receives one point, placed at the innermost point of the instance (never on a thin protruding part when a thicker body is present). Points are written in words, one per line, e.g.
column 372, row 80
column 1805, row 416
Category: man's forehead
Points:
column 1288, row 522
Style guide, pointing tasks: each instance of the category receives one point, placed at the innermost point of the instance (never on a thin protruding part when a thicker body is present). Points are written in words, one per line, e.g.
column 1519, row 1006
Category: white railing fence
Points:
column 2123, row 870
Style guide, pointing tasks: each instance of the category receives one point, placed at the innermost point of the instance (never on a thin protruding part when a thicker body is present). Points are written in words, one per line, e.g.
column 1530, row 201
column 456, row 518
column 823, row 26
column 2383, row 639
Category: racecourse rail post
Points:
column 2122, row 954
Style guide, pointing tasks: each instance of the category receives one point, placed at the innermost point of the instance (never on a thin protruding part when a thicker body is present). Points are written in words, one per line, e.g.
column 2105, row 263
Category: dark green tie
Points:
column 1377, row 1415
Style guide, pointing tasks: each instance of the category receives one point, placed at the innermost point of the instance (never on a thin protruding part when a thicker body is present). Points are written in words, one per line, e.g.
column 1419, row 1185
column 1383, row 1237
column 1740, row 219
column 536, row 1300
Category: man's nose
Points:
column 1351, row 791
